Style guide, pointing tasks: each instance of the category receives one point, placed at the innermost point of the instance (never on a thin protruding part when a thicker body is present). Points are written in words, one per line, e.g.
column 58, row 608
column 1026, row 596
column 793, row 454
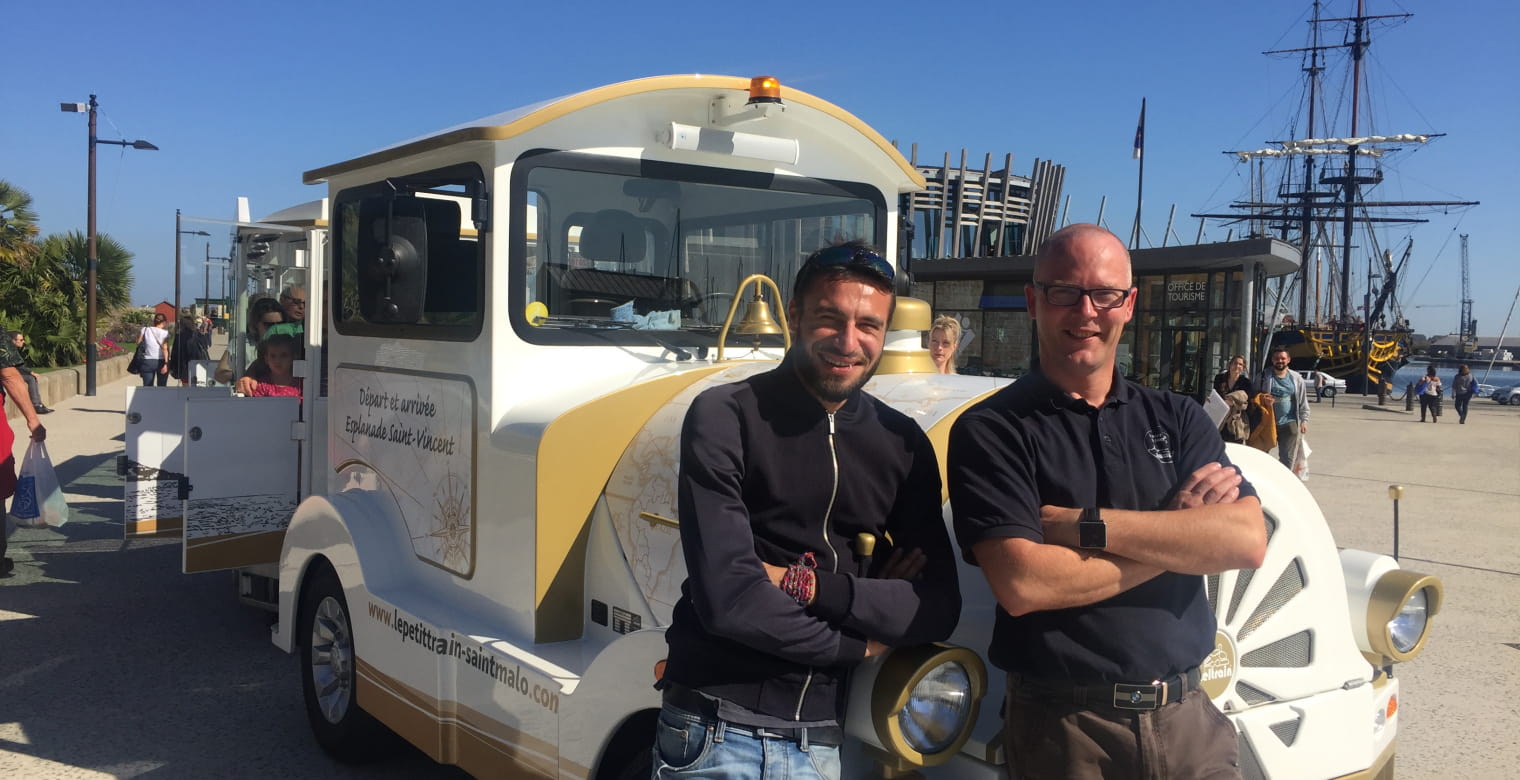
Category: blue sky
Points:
column 243, row 98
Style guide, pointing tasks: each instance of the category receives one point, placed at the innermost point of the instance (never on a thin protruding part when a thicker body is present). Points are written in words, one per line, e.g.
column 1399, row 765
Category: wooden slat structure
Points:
column 984, row 213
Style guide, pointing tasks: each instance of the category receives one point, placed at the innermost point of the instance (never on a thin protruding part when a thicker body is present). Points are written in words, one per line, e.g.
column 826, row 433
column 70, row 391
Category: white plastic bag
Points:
column 1301, row 458
column 38, row 501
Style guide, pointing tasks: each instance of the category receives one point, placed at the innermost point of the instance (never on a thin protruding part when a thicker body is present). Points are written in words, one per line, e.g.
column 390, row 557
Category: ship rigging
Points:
column 1328, row 189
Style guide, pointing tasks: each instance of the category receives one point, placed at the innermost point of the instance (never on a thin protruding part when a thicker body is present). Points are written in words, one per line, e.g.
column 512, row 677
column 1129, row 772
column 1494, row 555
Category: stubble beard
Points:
column 828, row 388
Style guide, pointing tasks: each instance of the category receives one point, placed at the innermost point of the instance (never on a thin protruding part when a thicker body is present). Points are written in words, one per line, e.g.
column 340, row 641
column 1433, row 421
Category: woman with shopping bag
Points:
column 14, row 387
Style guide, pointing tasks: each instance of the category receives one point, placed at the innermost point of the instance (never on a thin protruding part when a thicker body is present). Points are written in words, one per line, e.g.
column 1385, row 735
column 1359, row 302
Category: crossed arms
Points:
column 1206, row 527
column 734, row 592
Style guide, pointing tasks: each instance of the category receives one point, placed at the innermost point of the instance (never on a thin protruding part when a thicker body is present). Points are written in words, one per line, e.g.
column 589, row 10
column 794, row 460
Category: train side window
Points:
column 410, row 255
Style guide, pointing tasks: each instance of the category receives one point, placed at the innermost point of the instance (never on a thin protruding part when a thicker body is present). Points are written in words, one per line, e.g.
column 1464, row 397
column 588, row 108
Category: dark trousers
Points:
column 1432, row 403
column 31, row 390
column 1045, row 738
column 1461, row 402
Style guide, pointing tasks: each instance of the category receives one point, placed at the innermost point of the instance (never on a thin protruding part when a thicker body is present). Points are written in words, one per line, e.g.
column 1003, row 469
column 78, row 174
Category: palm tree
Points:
column 42, row 300
column 113, row 270
column 18, row 225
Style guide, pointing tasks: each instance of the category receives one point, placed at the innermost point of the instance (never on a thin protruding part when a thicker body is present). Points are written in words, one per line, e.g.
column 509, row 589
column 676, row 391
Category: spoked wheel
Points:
column 346, row 732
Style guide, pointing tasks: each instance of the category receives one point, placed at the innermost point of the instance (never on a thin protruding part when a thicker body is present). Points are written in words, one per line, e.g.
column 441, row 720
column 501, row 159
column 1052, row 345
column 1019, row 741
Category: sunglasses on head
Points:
column 850, row 257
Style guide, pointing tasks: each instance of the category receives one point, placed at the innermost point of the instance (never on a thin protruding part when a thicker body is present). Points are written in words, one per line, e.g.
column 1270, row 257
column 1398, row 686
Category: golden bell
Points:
column 757, row 319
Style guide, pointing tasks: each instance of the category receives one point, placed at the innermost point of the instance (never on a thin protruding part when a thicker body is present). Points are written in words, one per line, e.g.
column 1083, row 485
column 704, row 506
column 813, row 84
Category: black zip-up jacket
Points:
column 768, row 475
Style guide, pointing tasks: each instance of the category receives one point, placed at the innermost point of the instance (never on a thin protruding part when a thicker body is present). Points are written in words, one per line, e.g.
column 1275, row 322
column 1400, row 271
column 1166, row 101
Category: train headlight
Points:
column 925, row 701
column 1408, row 627
column 938, row 709
column 1396, row 605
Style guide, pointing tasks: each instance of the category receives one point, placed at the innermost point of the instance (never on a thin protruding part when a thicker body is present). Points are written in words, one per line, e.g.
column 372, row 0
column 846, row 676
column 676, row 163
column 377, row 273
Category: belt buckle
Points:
column 1140, row 697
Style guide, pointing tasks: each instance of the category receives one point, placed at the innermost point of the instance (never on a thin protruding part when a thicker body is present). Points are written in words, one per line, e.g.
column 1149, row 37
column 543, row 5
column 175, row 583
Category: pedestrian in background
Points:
column 944, row 341
column 1233, row 377
column 1429, row 391
column 154, row 340
column 1290, row 408
column 1463, row 386
column 18, row 340
column 15, row 387
column 191, row 343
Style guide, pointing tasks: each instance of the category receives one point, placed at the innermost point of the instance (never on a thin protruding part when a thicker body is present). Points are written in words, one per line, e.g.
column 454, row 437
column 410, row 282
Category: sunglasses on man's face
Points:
column 851, row 257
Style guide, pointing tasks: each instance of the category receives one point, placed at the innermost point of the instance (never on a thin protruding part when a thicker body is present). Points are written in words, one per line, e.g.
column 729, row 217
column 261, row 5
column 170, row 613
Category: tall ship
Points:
column 1340, row 313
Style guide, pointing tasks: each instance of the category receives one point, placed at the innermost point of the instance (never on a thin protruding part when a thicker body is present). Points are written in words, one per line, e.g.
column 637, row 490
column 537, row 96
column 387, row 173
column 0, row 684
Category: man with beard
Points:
column 1290, row 405
column 1092, row 505
column 780, row 473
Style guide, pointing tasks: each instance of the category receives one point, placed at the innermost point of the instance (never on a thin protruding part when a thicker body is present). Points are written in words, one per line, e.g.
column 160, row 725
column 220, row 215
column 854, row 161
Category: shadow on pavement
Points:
column 116, row 663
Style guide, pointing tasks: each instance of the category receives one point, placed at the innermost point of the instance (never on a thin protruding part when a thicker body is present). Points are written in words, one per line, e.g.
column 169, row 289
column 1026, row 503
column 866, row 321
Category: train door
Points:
column 241, row 466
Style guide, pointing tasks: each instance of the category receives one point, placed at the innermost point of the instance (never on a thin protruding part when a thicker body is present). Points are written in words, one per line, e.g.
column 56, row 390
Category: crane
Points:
column 1466, row 328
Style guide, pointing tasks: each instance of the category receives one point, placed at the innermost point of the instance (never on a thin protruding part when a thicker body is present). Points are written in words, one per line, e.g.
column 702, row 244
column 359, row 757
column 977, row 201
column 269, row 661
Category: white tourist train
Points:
column 468, row 528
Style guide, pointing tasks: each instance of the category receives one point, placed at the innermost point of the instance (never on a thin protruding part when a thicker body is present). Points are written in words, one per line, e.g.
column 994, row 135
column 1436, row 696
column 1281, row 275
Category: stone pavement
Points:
column 113, row 664
column 1460, row 520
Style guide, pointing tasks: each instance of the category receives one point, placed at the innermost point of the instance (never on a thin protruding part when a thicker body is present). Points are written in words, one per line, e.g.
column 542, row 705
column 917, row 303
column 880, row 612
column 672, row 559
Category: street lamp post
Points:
column 89, row 287
column 177, row 234
column 209, row 258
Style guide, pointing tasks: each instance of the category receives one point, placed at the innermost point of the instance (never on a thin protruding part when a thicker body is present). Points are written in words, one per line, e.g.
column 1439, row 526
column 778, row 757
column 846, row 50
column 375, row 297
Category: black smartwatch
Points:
column 1092, row 532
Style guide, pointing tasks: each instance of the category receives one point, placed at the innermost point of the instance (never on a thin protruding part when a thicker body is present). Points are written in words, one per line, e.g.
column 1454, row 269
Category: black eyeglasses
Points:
column 1071, row 295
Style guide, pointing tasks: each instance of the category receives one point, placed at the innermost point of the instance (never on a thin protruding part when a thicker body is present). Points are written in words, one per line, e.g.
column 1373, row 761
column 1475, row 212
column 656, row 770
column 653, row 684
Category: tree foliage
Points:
column 113, row 265
column 42, row 300
column 42, row 282
column 18, row 225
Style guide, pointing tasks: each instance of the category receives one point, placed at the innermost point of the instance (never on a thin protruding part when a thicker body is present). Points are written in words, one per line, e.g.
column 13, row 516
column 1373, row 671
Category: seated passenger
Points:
column 262, row 313
column 277, row 354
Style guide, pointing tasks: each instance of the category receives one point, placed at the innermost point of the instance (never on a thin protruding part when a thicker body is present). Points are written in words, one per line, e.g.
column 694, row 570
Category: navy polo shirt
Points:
column 1031, row 444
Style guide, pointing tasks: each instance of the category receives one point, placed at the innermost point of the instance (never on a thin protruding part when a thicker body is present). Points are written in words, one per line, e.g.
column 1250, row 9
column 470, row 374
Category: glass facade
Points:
column 1185, row 328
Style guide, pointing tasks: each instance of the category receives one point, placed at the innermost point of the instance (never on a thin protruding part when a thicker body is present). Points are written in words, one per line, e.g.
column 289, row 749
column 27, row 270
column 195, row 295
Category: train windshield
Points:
column 642, row 252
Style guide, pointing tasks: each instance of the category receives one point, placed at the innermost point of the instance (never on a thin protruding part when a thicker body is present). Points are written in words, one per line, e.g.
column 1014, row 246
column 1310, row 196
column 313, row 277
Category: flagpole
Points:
column 1134, row 241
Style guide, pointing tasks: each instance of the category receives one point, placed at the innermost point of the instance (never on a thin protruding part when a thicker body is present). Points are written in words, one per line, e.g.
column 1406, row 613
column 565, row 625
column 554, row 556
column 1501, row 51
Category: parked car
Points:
column 1328, row 385
column 1507, row 395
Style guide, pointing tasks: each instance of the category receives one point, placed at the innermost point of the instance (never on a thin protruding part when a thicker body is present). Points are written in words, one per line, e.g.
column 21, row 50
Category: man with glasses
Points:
column 293, row 302
column 1092, row 506
column 780, row 474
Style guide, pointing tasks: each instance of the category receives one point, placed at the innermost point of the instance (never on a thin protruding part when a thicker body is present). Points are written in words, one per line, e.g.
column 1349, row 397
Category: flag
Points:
column 1140, row 132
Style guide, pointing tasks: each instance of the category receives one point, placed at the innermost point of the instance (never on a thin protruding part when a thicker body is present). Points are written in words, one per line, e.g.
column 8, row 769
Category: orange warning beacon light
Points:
column 764, row 89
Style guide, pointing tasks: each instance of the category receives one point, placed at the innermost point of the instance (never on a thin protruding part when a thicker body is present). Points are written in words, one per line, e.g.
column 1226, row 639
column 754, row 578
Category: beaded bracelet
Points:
column 799, row 581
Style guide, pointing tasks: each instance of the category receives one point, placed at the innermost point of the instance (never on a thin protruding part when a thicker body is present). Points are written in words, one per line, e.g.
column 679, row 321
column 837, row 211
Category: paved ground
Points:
column 1460, row 520
column 116, row 665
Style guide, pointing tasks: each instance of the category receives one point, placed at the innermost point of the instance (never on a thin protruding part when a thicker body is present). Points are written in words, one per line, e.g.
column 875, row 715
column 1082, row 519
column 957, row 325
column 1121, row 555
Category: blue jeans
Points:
column 1461, row 403
column 150, row 374
column 688, row 745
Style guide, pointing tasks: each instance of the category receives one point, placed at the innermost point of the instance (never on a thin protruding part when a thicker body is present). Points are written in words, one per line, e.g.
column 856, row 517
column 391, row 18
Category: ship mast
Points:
column 1346, row 195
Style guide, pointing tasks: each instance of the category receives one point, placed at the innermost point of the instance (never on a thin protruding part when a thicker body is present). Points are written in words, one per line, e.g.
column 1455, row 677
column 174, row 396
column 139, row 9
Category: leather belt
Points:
column 684, row 698
column 1123, row 696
